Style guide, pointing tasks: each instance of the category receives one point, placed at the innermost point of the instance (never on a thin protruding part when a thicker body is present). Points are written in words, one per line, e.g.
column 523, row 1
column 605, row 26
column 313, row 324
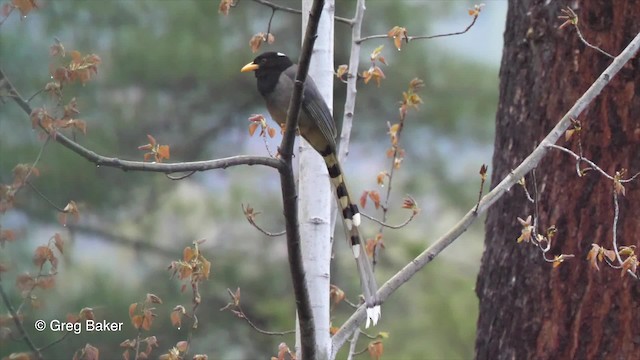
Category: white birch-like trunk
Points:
column 314, row 189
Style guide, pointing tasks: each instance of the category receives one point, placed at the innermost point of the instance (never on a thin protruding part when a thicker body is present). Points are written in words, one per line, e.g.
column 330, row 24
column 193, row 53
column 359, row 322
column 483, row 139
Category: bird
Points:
column 275, row 74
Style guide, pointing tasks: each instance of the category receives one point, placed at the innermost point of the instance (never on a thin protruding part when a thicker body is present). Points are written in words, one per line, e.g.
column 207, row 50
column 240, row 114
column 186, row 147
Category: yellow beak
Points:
column 250, row 67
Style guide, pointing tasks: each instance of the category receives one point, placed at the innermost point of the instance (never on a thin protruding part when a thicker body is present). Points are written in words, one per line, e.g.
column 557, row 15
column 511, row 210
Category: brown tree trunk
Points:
column 528, row 309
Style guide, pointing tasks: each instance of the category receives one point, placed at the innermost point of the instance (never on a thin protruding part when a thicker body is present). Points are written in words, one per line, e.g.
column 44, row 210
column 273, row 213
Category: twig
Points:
column 43, row 196
column 266, row 332
column 406, row 273
column 56, row 341
column 420, row 37
column 354, row 342
column 382, row 223
column 616, row 214
column 572, row 18
column 275, row 7
column 18, row 323
column 109, row 236
column 272, row 234
column 352, row 78
column 181, row 177
column 589, row 162
column 239, row 312
column 33, row 166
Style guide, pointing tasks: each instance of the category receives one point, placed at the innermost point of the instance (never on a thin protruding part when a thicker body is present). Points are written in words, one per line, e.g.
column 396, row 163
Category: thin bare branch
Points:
column 44, row 197
column 583, row 159
column 181, row 177
column 420, row 37
column 572, row 18
column 239, row 312
column 297, row 11
column 382, row 223
column 250, row 216
column 354, row 342
column 18, row 323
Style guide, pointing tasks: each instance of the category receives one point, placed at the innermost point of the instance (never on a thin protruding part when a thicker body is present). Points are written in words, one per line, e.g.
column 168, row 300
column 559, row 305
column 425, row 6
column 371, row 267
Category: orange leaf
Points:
column 176, row 318
column 336, row 294
column 225, row 6
column 380, row 177
column 252, row 128
column 256, row 41
column 188, row 254
column 592, row 256
column 374, row 195
column 630, row 263
column 163, row 152
column 376, row 349
column 147, row 320
column 136, row 321
column 363, row 199
column 132, row 309
column 272, row 132
column 25, row 6
column 398, row 34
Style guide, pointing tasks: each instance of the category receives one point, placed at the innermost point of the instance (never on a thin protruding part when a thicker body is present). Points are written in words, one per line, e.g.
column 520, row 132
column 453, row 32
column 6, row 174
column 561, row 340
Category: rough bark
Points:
column 528, row 309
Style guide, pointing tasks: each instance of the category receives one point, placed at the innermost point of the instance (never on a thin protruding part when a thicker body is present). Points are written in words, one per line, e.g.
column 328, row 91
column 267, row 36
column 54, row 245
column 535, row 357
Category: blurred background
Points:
column 171, row 69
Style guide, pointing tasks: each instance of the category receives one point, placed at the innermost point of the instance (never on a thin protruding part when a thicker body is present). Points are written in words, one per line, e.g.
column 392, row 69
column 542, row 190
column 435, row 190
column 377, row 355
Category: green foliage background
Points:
column 171, row 68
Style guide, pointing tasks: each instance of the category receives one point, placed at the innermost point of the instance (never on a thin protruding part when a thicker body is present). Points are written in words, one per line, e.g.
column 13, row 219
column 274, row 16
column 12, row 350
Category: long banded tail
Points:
column 351, row 218
column 349, row 209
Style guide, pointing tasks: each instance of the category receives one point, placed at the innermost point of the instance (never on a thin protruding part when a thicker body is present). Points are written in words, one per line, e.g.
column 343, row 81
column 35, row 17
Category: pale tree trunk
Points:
column 528, row 309
column 314, row 190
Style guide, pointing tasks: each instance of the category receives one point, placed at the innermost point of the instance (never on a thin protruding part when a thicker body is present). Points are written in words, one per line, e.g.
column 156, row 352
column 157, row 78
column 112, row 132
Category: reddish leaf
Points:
column 376, row 349
column 363, row 199
column 58, row 242
column 25, row 6
column 374, row 195
column 252, row 128
column 225, row 6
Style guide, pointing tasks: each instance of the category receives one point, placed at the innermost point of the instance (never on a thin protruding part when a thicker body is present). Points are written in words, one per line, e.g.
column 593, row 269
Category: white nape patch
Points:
column 356, row 219
column 348, row 223
column 281, row 54
column 356, row 250
column 373, row 315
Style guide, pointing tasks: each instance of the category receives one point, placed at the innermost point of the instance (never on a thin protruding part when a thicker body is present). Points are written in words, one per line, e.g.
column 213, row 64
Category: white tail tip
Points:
column 356, row 250
column 373, row 315
column 356, row 219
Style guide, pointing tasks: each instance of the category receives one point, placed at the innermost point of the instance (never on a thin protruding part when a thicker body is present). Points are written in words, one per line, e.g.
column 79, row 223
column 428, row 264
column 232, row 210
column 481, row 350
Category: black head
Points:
column 268, row 67
column 268, row 62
